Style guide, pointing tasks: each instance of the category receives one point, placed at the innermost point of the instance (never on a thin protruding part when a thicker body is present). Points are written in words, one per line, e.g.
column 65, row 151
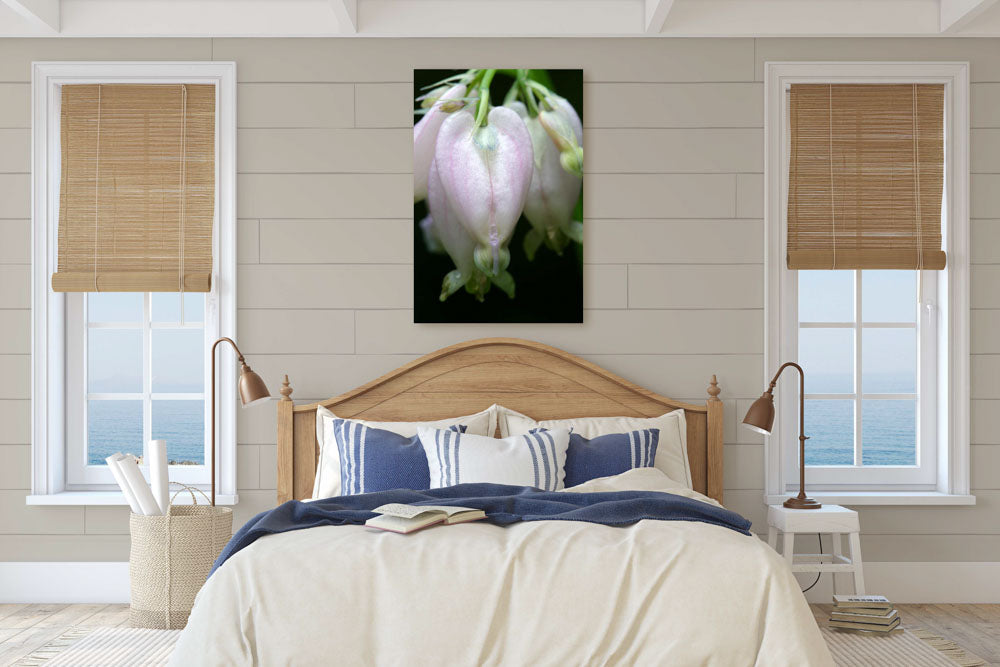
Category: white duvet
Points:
column 538, row 593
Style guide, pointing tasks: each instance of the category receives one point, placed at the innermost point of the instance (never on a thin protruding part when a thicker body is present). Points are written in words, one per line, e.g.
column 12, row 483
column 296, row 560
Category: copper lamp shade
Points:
column 252, row 387
column 760, row 418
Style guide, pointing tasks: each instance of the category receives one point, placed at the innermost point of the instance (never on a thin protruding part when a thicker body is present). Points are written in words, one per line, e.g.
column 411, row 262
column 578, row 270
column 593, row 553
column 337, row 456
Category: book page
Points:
column 450, row 511
column 405, row 511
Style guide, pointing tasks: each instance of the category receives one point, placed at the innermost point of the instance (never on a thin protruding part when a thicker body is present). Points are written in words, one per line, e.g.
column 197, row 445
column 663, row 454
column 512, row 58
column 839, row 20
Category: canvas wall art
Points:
column 498, row 195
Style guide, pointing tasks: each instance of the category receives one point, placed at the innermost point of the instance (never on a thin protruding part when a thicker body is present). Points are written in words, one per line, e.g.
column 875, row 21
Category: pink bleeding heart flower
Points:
column 554, row 190
column 486, row 173
column 453, row 237
column 425, row 134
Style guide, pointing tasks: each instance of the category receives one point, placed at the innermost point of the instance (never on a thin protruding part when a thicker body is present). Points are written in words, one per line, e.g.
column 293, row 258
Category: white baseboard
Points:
column 63, row 582
column 956, row 582
column 969, row 582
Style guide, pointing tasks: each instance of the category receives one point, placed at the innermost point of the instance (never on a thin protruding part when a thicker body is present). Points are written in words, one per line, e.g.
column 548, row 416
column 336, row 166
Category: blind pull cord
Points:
column 97, row 189
column 180, row 238
column 833, row 205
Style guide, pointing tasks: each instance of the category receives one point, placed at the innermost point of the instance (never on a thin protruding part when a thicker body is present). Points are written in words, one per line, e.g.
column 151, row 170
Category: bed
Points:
column 545, row 592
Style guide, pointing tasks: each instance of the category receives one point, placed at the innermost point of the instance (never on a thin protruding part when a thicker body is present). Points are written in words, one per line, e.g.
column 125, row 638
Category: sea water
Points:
column 116, row 426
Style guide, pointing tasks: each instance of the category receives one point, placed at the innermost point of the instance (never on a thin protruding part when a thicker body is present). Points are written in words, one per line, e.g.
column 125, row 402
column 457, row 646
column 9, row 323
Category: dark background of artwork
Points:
column 549, row 289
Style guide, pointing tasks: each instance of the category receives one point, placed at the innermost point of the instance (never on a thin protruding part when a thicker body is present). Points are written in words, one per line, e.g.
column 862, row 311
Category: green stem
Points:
column 529, row 99
column 484, row 96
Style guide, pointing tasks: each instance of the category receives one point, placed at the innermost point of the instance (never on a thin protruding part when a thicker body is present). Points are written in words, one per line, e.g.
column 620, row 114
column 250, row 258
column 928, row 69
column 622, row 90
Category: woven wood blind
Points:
column 866, row 176
column 137, row 195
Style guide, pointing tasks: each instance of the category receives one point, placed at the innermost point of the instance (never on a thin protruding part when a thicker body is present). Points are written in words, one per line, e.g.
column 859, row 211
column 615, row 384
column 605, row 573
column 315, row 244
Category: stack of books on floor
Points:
column 864, row 613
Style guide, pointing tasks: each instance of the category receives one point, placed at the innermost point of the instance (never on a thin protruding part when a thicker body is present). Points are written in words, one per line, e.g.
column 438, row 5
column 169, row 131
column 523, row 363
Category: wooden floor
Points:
column 974, row 627
column 26, row 627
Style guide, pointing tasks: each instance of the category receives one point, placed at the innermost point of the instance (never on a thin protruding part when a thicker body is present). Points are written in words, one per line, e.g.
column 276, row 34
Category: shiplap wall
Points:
column 674, row 238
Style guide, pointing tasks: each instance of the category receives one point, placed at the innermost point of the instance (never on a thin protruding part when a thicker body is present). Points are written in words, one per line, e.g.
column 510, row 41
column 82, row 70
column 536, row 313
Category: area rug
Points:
column 100, row 647
column 916, row 648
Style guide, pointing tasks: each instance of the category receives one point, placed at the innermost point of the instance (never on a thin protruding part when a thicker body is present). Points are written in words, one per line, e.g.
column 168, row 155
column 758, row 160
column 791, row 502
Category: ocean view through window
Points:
column 145, row 374
column 858, row 342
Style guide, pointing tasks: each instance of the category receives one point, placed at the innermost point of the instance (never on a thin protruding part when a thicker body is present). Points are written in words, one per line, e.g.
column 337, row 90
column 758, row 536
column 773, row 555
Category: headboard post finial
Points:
column 714, row 390
column 286, row 390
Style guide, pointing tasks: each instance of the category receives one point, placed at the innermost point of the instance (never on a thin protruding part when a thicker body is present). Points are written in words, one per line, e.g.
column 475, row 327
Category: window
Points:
column 112, row 369
column 861, row 337
column 137, row 371
column 885, row 352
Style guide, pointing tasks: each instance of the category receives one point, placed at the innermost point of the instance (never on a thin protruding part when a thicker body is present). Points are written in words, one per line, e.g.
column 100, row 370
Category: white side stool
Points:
column 832, row 519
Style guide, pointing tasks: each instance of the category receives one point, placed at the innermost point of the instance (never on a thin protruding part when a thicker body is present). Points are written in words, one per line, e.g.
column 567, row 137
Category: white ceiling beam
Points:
column 958, row 14
column 656, row 15
column 347, row 14
column 40, row 12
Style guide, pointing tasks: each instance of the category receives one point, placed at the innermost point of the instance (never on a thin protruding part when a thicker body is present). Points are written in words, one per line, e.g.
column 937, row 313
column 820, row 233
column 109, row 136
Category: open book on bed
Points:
column 402, row 518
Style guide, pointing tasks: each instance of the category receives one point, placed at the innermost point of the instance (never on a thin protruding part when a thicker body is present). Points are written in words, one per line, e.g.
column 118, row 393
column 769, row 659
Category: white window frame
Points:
column 949, row 302
column 49, row 309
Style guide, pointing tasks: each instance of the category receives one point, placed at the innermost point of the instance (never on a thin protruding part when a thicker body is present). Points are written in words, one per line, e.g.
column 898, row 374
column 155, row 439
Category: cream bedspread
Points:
column 539, row 593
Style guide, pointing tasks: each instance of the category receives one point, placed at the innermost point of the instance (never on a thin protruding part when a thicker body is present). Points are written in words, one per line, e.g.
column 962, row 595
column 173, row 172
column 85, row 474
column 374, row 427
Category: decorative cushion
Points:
column 373, row 459
column 532, row 459
column 328, row 474
column 671, row 452
column 611, row 454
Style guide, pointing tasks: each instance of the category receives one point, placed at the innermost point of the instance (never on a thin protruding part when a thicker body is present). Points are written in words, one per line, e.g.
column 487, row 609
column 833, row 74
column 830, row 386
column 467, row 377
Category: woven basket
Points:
column 170, row 559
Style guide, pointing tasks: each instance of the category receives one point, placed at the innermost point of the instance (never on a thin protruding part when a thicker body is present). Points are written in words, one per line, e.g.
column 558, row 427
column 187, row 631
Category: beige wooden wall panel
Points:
column 16, row 108
column 393, row 60
column 16, row 248
column 674, row 197
column 336, row 241
column 286, row 105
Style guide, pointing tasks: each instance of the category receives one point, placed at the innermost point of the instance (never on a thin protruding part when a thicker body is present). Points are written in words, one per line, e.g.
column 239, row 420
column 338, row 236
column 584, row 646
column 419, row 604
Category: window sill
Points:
column 881, row 498
column 112, row 498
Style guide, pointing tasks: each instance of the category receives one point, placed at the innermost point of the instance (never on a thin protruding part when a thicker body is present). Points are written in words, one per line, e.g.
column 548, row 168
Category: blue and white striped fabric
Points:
column 534, row 459
column 372, row 459
column 610, row 454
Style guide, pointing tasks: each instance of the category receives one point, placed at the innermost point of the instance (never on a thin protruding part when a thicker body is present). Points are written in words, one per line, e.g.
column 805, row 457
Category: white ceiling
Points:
column 497, row 18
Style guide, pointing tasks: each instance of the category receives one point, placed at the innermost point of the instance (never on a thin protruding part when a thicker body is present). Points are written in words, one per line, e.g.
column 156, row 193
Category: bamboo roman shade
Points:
column 866, row 176
column 137, row 195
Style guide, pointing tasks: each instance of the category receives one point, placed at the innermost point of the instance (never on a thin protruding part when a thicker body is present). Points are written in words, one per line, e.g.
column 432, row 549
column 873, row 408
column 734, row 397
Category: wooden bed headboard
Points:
column 538, row 380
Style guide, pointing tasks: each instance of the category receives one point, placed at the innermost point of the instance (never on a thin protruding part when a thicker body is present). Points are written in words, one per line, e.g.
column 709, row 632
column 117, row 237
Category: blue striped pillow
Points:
column 610, row 454
column 372, row 459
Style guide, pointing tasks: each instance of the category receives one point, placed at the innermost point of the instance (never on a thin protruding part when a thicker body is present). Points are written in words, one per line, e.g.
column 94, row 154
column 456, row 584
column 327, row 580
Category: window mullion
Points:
column 147, row 374
column 858, row 389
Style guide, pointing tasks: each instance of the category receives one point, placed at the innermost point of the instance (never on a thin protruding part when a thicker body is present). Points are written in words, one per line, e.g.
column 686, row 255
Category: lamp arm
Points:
column 802, row 394
column 239, row 355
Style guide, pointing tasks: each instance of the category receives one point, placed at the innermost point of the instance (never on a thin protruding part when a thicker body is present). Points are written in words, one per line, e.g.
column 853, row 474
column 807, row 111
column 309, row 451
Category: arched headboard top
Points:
column 541, row 381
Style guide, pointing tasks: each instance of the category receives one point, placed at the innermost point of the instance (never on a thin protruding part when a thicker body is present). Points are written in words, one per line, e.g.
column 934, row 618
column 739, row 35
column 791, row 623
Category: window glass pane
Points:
column 194, row 306
column 826, row 296
column 889, row 361
column 114, row 360
column 166, row 306
column 827, row 357
column 889, row 296
column 113, row 426
column 114, row 307
column 830, row 427
column 178, row 360
column 888, row 432
column 182, row 425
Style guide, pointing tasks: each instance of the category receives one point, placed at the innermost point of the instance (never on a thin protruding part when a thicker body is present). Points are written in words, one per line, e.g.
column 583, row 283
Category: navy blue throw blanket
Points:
column 502, row 503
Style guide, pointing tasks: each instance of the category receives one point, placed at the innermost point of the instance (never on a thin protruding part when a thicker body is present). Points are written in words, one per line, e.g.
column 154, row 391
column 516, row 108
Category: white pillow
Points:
column 327, row 482
column 536, row 459
column 671, row 452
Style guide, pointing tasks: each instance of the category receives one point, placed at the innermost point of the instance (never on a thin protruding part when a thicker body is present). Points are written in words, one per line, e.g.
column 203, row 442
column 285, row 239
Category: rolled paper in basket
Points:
column 147, row 503
column 158, row 474
column 112, row 462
